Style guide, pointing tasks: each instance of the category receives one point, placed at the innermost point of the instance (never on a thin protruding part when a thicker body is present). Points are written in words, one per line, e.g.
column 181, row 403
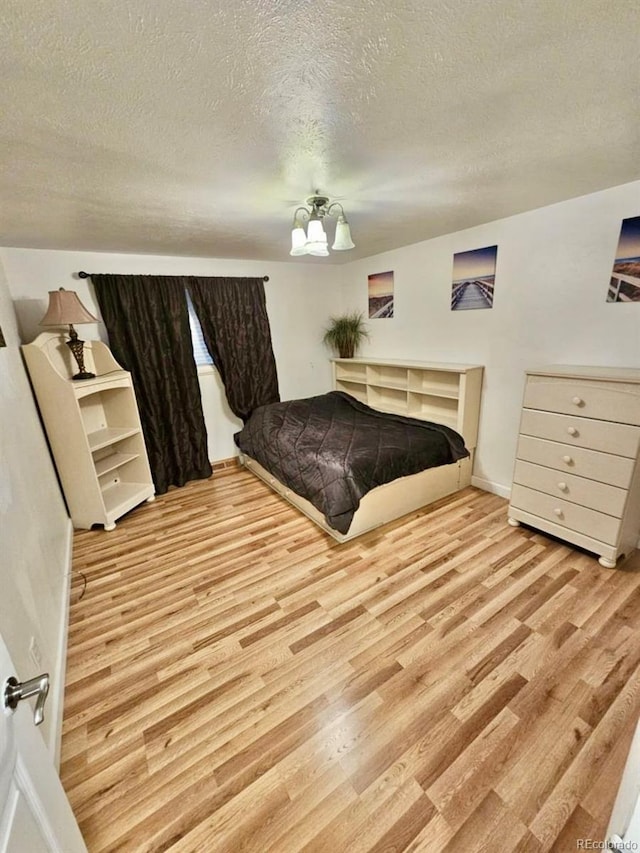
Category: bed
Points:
column 392, row 437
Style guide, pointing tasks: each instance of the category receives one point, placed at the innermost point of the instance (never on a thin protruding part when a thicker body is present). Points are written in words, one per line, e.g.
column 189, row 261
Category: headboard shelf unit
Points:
column 444, row 393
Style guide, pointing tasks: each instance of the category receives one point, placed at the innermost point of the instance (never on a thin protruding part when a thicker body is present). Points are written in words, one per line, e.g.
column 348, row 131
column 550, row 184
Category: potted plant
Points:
column 346, row 333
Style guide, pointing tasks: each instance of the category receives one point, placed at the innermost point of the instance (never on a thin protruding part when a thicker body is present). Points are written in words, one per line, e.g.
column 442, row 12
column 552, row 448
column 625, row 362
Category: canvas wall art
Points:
column 474, row 276
column 380, row 295
column 624, row 285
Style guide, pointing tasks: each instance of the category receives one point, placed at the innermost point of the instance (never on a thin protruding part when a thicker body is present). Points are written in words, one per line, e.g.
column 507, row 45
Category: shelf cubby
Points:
column 387, row 376
column 119, row 497
column 387, row 399
column 113, row 462
column 444, row 393
column 349, row 372
column 356, row 389
column 107, row 436
column 438, row 383
column 428, row 407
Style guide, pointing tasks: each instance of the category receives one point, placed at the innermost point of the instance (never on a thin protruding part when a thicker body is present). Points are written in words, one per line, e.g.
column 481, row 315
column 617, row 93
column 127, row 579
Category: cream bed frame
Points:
column 444, row 393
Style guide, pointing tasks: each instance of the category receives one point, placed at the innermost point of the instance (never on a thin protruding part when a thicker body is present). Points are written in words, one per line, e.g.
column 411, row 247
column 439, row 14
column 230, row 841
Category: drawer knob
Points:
column 563, row 487
column 558, row 512
column 572, row 430
column 568, row 460
column 578, row 401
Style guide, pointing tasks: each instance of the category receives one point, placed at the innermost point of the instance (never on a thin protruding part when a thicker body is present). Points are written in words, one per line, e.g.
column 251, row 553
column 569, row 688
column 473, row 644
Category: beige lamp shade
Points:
column 65, row 309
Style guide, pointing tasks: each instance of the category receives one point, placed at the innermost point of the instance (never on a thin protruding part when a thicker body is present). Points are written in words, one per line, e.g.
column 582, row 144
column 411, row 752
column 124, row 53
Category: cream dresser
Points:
column 577, row 472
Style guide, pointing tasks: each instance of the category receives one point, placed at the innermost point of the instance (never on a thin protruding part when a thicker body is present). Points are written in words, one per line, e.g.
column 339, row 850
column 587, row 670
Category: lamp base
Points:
column 76, row 346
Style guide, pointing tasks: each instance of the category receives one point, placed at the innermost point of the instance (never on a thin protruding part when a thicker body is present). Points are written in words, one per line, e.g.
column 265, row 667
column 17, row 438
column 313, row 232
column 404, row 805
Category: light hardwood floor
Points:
column 238, row 681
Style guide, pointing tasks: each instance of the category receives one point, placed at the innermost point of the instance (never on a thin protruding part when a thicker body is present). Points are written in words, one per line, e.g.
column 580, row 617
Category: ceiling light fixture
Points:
column 314, row 241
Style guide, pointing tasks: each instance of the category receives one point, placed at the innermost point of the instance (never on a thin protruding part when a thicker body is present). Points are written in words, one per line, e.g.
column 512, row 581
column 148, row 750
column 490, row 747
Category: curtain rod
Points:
column 83, row 274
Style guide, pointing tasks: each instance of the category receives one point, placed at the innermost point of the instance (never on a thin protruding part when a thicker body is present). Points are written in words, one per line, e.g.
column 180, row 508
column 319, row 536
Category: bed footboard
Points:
column 382, row 504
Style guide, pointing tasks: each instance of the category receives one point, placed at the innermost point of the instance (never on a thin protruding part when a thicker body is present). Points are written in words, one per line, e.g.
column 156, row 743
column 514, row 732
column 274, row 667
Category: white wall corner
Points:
column 489, row 486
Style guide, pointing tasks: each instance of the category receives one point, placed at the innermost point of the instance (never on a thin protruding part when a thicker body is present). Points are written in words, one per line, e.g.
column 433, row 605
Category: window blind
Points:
column 200, row 351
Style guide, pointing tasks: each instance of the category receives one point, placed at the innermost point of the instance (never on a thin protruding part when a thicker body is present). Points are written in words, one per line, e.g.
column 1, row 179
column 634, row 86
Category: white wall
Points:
column 552, row 275
column 35, row 533
column 300, row 298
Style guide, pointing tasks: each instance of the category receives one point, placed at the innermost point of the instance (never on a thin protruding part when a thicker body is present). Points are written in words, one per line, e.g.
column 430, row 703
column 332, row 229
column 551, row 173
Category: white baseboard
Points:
column 489, row 486
column 56, row 695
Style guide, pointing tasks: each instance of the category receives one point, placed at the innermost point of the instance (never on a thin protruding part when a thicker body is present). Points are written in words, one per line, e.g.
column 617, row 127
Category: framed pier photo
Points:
column 624, row 285
column 474, row 276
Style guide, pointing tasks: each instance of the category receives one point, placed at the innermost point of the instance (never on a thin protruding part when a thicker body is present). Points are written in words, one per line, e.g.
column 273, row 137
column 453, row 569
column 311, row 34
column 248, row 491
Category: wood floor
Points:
column 237, row 681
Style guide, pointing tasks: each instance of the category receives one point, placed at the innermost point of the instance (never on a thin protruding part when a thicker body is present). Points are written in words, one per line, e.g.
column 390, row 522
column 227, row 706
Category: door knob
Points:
column 15, row 691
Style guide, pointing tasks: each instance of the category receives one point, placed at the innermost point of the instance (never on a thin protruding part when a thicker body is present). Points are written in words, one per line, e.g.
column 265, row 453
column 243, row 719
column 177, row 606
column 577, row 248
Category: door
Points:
column 35, row 814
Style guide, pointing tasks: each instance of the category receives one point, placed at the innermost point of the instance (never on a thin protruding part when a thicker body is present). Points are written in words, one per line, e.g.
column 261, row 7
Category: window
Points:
column 200, row 351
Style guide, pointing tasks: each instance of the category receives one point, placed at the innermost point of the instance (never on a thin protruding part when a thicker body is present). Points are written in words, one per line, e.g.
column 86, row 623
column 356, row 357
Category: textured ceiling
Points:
column 196, row 128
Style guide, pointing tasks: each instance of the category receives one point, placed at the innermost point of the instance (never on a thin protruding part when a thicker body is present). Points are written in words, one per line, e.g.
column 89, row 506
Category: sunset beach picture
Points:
column 380, row 295
column 624, row 285
column 474, row 275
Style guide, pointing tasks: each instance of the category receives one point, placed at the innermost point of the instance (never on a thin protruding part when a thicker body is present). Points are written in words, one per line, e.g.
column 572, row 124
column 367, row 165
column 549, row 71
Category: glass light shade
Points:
column 298, row 241
column 316, row 238
column 315, row 231
column 319, row 248
column 343, row 235
column 66, row 309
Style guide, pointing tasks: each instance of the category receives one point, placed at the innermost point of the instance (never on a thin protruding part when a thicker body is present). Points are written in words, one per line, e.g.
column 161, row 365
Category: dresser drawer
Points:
column 615, row 438
column 594, row 524
column 607, row 401
column 603, row 467
column 578, row 490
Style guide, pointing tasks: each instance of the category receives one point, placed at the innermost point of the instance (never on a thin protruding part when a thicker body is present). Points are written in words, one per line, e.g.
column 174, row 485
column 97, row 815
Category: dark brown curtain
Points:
column 235, row 328
column 148, row 325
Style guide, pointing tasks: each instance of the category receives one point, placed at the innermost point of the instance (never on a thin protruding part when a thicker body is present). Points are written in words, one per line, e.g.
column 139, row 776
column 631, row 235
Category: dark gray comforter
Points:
column 332, row 449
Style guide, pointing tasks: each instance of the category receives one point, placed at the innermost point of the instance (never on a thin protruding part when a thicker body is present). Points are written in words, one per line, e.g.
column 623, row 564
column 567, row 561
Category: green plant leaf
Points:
column 345, row 333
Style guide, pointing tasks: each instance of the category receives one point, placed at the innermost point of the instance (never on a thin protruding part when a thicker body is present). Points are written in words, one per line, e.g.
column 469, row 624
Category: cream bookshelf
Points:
column 94, row 430
column 448, row 394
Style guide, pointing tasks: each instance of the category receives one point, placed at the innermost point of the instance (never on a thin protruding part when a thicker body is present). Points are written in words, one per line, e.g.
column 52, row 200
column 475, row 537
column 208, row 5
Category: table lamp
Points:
column 66, row 309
